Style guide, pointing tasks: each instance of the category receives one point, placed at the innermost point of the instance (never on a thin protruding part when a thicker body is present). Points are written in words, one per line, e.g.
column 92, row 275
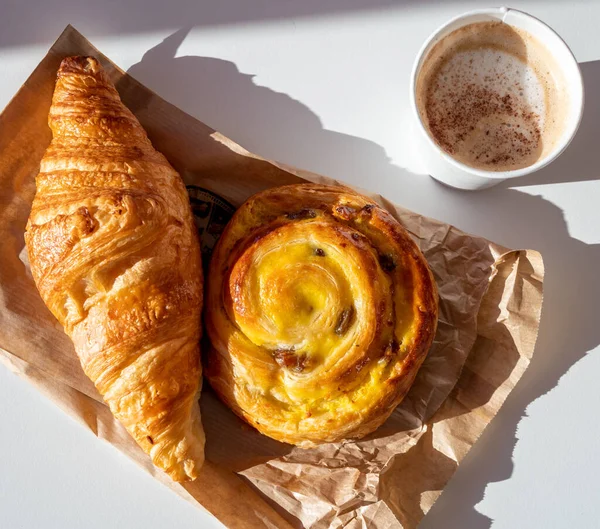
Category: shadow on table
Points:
column 568, row 327
column 276, row 126
column 582, row 153
column 139, row 16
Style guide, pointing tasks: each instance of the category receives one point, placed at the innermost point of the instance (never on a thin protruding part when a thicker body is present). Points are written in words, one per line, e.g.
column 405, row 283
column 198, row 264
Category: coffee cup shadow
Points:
column 276, row 126
column 579, row 161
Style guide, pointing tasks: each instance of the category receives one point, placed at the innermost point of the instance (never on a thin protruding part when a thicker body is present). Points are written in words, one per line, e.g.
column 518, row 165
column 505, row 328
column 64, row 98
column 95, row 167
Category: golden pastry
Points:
column 114, row 254
column 320, row 311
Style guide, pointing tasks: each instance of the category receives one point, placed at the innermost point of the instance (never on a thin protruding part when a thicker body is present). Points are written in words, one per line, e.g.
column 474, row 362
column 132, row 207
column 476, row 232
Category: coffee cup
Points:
column 510, row 119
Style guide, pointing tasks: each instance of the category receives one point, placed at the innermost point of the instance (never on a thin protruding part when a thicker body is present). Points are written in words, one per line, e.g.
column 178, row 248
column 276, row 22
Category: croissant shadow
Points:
column 277, row 126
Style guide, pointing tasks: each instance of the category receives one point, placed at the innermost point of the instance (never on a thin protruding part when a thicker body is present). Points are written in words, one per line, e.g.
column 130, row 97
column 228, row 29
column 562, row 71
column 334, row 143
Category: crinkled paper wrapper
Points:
column 490, row 303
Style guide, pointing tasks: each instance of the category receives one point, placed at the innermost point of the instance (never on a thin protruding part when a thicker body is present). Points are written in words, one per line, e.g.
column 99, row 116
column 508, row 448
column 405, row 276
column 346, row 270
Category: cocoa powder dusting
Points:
column 513, row 134
column 484, row 99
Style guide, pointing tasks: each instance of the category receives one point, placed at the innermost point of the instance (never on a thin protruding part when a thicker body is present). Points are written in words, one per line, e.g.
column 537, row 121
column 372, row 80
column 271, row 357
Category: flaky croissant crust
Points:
column 320, row 311
column 114, row 255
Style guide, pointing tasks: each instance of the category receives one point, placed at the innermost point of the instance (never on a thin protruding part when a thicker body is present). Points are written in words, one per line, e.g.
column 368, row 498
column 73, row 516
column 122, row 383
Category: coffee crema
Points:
column 492, row 97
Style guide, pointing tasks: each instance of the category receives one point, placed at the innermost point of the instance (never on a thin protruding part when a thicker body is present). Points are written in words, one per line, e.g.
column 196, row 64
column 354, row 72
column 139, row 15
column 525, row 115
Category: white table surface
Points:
column 322, row 84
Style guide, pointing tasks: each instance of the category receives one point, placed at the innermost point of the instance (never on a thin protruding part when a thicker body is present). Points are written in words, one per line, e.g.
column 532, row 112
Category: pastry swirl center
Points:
column 299, row 292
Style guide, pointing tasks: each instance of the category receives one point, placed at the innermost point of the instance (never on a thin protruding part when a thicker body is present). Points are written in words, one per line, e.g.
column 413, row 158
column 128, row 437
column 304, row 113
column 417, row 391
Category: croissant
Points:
column 320, row 311
column 114, row 254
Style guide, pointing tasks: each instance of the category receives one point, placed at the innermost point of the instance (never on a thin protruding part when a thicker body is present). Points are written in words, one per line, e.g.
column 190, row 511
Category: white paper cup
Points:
column 443, row 167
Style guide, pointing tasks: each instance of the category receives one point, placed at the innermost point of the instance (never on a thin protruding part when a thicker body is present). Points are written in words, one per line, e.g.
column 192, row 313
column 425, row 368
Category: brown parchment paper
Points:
column 490, row 303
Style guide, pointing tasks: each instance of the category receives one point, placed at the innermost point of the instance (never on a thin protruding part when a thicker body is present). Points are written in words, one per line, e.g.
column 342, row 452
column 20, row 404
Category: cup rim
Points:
column 498, row 175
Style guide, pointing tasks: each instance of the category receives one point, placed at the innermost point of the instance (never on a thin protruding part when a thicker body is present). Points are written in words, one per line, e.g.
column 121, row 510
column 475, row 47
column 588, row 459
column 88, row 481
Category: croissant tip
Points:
column 187, row 471
column 79, row 64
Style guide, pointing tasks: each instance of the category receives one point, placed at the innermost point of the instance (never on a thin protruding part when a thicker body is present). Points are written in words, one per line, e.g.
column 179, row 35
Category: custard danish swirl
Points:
column 320, row 311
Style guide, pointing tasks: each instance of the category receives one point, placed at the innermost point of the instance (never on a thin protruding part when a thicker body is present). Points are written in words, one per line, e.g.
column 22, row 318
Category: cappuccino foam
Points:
column 490, row 97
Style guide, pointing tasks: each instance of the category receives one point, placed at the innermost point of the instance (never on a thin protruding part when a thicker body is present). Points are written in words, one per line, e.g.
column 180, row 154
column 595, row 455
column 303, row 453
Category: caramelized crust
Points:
column 114, row 255
column 320, row 311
